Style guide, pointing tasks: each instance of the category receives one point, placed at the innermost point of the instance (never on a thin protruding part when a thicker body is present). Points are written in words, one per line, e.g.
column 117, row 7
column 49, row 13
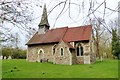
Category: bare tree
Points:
column 88, row 7
column 15, row 14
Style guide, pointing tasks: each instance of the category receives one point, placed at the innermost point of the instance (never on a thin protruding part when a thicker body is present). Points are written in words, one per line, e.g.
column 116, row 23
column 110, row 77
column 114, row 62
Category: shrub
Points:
column 6, row 52
column 14, row 53
column 19, row 54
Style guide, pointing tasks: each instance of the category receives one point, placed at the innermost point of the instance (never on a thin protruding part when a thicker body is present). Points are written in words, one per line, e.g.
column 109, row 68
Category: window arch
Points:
column 40, row 51
column 79, row 51
column 61, row 52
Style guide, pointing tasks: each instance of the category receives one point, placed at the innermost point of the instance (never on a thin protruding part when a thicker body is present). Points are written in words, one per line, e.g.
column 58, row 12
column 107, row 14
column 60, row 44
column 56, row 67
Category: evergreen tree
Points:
column 115, row 43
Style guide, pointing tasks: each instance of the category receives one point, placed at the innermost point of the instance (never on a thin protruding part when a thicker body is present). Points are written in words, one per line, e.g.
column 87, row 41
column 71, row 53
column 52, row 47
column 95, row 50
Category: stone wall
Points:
column 37, row 52
column 34, row 52
column 80, row 60
column 66, row 58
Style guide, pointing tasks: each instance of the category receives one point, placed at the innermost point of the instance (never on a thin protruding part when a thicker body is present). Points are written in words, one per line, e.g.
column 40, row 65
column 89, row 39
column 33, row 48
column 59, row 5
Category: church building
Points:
column 66, row 45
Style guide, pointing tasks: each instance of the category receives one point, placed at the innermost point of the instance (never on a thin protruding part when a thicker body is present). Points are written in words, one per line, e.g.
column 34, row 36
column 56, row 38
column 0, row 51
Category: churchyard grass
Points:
column 19, row 68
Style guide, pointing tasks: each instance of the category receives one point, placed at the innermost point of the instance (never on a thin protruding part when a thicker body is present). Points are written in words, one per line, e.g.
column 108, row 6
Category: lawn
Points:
column 23, row 69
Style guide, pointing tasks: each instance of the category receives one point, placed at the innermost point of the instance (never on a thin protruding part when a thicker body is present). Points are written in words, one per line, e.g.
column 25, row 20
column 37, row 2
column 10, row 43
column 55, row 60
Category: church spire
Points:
column 44, row 25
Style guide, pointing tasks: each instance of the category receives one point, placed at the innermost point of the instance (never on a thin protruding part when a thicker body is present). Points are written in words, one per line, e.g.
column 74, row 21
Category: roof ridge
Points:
column 80, row 26
column 60, row 27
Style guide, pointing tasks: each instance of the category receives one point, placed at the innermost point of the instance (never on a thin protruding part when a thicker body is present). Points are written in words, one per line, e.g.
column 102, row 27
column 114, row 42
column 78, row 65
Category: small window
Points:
column 53, row 49
column 62, row 52
column 81, row 48
column 78, row 54
column 80, row 51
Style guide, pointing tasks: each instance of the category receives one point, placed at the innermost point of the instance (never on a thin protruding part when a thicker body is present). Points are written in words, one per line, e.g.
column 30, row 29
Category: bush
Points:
column 19, row 54
column 14, row 53
column 6, row 52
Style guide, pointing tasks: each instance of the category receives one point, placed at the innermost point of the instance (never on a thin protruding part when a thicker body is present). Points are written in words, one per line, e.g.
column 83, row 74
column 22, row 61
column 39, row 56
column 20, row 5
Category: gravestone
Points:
column 5, row 57
column 86, row 59
column 1, row 57
column 9, row 57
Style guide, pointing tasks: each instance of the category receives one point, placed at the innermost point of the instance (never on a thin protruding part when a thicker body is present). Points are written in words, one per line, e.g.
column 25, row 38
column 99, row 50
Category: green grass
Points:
column 0, row 69
column 23, row 69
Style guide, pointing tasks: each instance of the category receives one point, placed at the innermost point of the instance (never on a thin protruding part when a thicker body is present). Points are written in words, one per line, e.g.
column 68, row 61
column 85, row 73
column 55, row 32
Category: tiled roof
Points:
column 78, row 33
column 68, row 34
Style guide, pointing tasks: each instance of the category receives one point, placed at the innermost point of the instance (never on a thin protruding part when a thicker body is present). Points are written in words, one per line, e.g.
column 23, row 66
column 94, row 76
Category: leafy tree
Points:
column 115, row 43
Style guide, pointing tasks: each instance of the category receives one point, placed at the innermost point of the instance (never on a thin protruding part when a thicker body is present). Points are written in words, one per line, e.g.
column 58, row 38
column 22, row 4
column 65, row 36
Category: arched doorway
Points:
column 40, row 55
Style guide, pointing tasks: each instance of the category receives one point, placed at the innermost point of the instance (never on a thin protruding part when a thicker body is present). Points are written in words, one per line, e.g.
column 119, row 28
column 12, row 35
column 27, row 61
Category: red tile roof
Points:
column 68, row 34
column 78, row 33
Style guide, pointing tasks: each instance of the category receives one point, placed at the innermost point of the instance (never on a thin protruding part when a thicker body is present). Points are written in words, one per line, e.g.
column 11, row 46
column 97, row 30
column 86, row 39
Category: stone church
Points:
column 66, row 45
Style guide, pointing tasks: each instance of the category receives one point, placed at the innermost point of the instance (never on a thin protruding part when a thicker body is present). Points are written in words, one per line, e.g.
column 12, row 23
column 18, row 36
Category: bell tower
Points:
column 43, row 25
